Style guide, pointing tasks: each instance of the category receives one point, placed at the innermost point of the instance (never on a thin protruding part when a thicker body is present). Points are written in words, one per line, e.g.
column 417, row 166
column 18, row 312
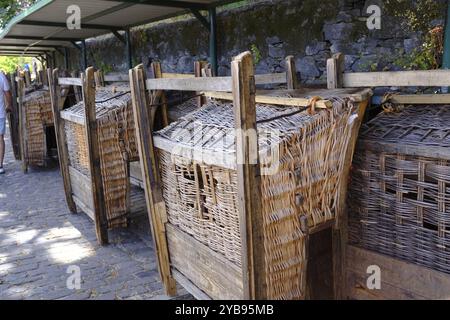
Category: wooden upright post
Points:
column 63, row 153
column 157, row 73
column 76, row 89
column 335, row 70
column 14, row 124
column 22, row 124
column 198, row 67
column 94, row 156
column 152, row 181
column 249, row 180
column 291, row 73
column 27, row 78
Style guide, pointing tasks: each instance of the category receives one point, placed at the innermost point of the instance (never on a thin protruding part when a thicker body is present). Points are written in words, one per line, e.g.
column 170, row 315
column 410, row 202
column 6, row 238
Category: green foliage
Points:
column 9, row 64
column 256, row 54
column 10, row 8
column 417, row 13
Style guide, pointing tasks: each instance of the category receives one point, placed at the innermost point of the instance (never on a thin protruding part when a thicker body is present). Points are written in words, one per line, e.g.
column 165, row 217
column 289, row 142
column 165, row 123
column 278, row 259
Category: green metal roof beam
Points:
column 169, row 3
column 41, row 38
column 64, row 25
column 21, row 45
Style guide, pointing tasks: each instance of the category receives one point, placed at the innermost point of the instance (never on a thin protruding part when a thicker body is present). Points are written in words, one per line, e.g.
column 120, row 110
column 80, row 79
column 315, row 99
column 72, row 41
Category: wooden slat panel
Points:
column 427, row 78
column 293, row 102
column 209, row 271
column 81, row 187
column 80, row 204
column 70, row 82
column 189, row 286
column 136, row 174
column 194, row 84
column 177, row 76
column 421, row 99
column 399, row 279
column 63, row 154
column 270, row 78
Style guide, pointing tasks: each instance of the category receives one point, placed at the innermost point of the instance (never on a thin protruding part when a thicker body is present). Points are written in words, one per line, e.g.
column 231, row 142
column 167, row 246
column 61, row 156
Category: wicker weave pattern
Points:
column 117, row 144
column 399, row 202
column 38, row 115
column 202, row 199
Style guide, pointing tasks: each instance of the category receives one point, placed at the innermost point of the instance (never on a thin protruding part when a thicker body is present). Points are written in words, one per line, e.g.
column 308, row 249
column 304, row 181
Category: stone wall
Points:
column 311, row 30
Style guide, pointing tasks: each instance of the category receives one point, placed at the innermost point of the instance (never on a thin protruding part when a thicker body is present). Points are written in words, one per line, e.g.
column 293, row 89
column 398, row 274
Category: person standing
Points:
column 5, row 106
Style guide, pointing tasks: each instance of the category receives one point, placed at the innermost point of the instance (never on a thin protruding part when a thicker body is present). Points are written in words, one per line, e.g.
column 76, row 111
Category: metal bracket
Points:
column 75, row 45
column 119, row 36
column 201, row 18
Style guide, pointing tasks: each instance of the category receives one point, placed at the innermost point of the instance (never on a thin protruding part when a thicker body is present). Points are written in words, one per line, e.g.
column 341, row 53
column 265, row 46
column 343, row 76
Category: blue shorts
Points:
column 2, row 126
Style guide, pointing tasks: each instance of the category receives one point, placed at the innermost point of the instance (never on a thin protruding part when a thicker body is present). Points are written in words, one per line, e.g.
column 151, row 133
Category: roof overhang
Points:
column 43, row 26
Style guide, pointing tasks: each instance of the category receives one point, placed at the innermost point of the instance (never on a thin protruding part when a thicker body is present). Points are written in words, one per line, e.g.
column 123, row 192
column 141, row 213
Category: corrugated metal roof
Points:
column 43, row 26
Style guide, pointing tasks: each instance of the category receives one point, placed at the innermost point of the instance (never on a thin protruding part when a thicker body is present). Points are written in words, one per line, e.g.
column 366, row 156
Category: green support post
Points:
column 213, row 40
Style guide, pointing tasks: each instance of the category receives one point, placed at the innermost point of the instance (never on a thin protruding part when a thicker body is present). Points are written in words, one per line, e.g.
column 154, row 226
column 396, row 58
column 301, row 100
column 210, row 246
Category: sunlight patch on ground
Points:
column 5, row 268
column 68, row 252
column 23, row 237
column 65, row 233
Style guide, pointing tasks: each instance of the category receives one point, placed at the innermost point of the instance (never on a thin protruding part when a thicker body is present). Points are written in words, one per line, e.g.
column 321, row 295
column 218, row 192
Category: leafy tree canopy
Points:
column 10, row 8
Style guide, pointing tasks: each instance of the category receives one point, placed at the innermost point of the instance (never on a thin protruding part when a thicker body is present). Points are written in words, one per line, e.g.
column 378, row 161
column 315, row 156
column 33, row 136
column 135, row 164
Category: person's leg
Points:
column 2, row 149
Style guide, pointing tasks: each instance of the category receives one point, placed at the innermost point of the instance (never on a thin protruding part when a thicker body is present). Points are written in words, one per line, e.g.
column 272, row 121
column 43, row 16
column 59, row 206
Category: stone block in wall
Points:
column 315, row 47
column 364, row 63
column 411, row 44
column 185, row 64
column 349, row 60
column 336, row 31
column 307, row 68
column 277, row 50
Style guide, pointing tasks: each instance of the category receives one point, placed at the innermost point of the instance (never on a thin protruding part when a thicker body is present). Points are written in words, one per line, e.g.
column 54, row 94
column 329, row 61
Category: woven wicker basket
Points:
column 399, row 193
column 198, row 171
column 117, row 143
column 38, row 115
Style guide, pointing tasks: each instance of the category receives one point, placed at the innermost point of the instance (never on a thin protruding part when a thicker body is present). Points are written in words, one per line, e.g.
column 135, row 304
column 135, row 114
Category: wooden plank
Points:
column 94, row 156
column 270, row 78
column 248, row 177
column 27, row 77
column 152, row 182
column 357, row 289
column 428, row 78
column 198, row 69
column 291, row 73
column 340, row 230
column 189, row 286
column 14, row 120
column 405, row 277
column 61, row 144
column 81, row 187
column 70, row 82
column 208, row 270
column 83, row 207
column 76, row 89
column 177, row 76
column 116, row 78
column 22, row 124
column 420, row 98
column 263, row 99
column 157, row 73
column 136, row 174
column 194, row 84
column 335, row 70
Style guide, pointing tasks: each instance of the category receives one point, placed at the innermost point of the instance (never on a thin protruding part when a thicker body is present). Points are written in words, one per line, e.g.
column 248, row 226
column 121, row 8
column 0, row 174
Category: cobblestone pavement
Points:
column 40, row 239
